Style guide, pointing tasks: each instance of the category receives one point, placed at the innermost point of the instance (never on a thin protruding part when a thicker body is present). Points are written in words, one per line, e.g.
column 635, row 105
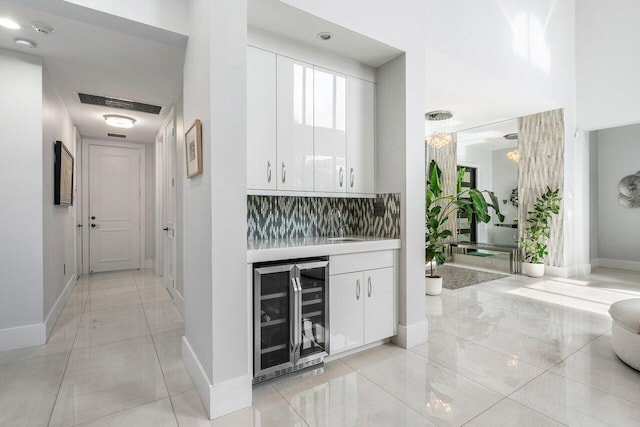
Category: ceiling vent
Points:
column 116, row 135
column 123, row 104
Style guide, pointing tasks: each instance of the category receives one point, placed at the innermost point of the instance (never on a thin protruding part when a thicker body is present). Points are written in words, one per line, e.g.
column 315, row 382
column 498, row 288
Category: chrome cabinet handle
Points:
column 268, row 171
column 352, row 177
column 284, row 173
column 341, row 177
column 370, row 287
column 358, row 289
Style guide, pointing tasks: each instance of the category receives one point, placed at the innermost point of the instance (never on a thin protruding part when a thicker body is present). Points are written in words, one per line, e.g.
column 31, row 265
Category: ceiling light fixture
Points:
column 439, row 123
column 9, row 24
column 513, row 155
column 119, row 121
column 26, row 43
column 511, row 136
column 325, row 36
column 42, row 28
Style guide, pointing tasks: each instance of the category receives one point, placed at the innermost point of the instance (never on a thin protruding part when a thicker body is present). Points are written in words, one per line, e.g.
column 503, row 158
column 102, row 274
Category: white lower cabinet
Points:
column 361, row 304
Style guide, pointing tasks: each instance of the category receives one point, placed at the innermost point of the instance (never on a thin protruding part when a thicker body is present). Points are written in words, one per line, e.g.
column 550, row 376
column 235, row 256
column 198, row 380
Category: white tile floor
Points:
column 512, row 352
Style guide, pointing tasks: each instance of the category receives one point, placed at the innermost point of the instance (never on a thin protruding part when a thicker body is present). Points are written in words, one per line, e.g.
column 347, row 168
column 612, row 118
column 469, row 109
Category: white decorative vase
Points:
column 433, row 285
column 533, row 270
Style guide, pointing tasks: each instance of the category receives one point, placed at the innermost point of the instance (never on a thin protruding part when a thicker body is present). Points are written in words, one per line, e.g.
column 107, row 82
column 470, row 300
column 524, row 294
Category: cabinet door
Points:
column 329, row 131
column 360, row 136
column 346, row 312
column 378, row 306
column 294, row 125
column 261, row 119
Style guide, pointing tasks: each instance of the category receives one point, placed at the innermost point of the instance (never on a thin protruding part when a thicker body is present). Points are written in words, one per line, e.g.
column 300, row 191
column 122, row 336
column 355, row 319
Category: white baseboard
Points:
column 219, row 399
column 616, row 263
column 22, row 336
column 412, row 335
column 149, row 264
column 55, row 311
column 356, row 350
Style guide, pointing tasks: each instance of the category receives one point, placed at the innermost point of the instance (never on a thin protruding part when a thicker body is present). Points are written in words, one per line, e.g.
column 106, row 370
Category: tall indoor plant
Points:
column 534, row 241
column 439, row 207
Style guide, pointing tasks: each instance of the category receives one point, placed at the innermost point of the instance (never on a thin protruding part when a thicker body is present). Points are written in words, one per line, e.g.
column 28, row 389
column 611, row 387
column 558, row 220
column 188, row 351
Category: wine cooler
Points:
column 291, row 312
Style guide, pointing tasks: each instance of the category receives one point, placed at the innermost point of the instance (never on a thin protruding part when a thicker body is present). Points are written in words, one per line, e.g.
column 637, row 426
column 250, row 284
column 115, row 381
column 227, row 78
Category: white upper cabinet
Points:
column 329, row 132
column 294, row 125
column 360, row 136
column 261, row 119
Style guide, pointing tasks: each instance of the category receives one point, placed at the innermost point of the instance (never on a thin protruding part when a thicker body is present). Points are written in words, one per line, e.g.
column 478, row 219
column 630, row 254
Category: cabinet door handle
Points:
column 369, row 284
column 341, row 176
column 268, row 171
column 358, row 289
column 284, row 173
column 353, row 177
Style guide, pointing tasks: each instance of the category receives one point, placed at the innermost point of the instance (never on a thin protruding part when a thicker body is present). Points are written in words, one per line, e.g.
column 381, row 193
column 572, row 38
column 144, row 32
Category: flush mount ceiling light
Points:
column 439, row 123
column 325, row 36
column 9, row 24
column 42, row 28
column 26, row 43
column 511, row 136
column 513, row 155
column 119, row 121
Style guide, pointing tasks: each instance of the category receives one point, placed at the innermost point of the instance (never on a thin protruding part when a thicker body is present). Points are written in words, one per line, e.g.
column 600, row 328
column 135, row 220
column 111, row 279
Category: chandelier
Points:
column 439, row 124
column 513, row 155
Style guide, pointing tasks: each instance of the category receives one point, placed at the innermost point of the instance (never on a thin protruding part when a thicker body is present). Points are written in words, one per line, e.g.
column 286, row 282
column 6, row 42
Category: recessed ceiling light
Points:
column 119, row 121
column 42, row 28
column 325, row 36
column 26, row 43
column 9, row 23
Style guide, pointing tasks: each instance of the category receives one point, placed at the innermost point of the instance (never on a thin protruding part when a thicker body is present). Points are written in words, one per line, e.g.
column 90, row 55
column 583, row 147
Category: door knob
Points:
column 94, row 225
column 166, row 229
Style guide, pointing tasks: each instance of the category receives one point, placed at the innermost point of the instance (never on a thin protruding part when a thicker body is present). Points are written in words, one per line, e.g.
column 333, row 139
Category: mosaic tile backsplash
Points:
column 280, row 217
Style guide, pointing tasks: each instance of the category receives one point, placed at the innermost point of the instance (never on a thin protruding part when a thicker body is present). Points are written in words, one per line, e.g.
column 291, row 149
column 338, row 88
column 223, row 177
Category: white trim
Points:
column 253, row 192
column 412, row 335
column 159, row 234
column 616, row 263
column 219, row 399
column 22, row 336
column 356, row 350
column 55, row 311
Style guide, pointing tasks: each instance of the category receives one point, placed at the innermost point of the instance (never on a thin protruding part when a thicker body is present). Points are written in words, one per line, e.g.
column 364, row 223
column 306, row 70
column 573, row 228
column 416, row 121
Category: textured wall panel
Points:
column 282, row 217
column 446, row 158
column 541, row 165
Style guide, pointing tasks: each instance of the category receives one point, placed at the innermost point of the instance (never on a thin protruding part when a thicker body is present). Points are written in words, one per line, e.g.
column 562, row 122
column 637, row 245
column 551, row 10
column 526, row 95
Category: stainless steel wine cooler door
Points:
column 275, row 305
column 312, row 319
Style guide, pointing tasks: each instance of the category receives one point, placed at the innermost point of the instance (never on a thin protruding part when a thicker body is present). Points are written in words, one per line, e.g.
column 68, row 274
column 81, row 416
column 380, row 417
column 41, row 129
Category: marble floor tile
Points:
column 28, row 390
column 77, row 301
column 169, row 348
column 109, row 326
column 575, row 404
column 106, row 379
column 111, row 275
column 163, row 316
column 494, row 370
column 457, row 324
column 372, row 356
column 508, row 413
column 105, row 299
column 440, row 395
column 154, row 293
column 155, row 414
column 443, row 303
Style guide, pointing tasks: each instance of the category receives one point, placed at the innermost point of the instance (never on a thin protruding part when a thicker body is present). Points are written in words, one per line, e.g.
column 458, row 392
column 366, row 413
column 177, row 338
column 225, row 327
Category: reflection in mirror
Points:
column 489, row 155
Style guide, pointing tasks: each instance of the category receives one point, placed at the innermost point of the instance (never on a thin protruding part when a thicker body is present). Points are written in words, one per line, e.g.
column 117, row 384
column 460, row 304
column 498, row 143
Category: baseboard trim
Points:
column 55, row 311
column 616, row 263
column 22, row 336
column 219, row 399
column 149, row 264
column 356, row 350
column 412, row 335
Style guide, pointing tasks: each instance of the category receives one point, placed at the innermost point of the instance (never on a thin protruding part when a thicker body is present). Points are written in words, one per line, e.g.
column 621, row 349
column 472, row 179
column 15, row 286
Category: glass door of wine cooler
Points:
column 274, row 297
column 313, row 328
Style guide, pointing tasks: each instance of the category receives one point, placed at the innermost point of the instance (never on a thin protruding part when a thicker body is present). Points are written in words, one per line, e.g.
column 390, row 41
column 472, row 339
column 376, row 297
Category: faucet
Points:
column 336, row 216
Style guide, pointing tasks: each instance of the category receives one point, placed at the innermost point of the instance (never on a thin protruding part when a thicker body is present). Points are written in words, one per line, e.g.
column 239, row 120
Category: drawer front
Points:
column 349, row 263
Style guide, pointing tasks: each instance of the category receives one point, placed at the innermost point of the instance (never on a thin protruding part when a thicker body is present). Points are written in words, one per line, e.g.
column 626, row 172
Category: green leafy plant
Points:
column 440, row 206
column 534, row 241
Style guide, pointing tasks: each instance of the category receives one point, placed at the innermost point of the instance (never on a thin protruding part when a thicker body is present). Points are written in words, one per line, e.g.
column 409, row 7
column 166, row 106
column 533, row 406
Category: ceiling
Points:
column 489, row 137
column 94, row 59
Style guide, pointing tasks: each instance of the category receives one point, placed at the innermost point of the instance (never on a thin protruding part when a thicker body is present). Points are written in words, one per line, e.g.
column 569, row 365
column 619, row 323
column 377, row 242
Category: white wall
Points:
column 607, row 63
column 21, row 194
column 593, row 200
column 59, row 221
column 618, row 231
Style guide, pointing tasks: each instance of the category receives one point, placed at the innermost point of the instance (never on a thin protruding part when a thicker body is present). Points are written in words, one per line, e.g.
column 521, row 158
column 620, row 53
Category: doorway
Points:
column 467, row 228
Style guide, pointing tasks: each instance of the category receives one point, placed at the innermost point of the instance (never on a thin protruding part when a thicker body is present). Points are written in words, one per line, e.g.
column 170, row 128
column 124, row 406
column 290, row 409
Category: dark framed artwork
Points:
column 62, row 175
column 193, row 147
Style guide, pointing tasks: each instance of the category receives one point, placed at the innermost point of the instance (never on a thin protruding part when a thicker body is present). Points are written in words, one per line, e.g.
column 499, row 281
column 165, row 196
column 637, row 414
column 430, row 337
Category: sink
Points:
column 345, row 239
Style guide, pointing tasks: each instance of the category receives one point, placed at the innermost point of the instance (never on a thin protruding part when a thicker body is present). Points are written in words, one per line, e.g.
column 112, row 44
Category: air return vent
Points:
column 116, row 135
column 118, row 103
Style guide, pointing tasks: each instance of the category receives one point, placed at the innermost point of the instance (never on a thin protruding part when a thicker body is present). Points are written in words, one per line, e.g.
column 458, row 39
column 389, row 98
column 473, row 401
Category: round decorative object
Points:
column 533, row 270
column 629, row 195
column 513, row 198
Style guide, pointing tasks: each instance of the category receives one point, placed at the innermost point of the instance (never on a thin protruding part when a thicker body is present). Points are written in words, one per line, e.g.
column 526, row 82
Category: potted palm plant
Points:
column 534, row 241
column 439, row 207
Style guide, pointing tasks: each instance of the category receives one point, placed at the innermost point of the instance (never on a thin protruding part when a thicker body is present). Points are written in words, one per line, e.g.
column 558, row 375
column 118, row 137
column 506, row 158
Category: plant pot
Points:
column 533, row 270
column 433, row 285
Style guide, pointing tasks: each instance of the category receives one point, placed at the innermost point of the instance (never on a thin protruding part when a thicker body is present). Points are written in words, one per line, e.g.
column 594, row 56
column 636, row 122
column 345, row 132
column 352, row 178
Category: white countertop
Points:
column 279, row 249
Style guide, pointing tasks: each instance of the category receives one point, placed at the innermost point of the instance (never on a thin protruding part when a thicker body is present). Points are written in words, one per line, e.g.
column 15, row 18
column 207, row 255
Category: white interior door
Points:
column 170, row 211
column 114, row 208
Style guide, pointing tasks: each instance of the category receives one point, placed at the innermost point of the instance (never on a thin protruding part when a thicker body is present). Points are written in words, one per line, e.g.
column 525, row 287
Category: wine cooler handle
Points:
column 352, row 177
column 369, row 284
column 358, row 289
column 268, row 171
column 298, row 318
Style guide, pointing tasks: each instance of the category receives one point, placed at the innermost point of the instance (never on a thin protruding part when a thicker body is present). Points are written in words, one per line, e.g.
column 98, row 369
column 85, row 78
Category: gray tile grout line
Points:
column 304, row 420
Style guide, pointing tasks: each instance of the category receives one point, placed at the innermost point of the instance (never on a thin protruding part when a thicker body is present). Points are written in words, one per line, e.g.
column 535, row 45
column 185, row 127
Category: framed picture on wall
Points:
column 62, row 175
column 193, row 147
